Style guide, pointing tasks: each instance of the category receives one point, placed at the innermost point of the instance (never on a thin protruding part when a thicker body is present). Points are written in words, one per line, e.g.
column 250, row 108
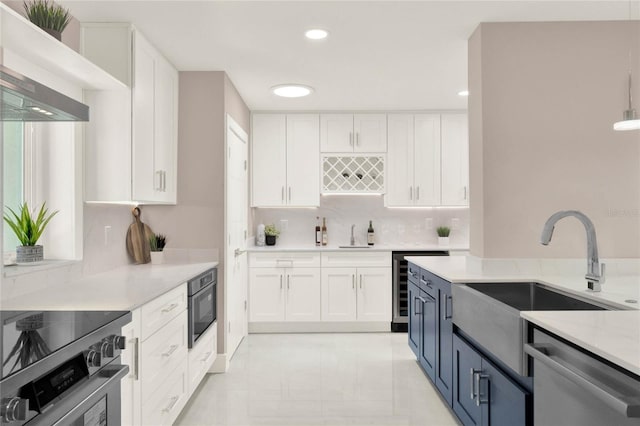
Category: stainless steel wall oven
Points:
column 202, row 303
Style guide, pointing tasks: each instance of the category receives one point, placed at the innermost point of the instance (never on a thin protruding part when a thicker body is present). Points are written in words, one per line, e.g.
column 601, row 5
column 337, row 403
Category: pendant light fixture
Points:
column 630, row 119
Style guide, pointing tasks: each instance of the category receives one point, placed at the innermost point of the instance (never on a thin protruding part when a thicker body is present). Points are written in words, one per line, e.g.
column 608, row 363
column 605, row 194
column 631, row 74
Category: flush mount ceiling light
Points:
column 292, row 90
column 463, row 93
column 316, row 34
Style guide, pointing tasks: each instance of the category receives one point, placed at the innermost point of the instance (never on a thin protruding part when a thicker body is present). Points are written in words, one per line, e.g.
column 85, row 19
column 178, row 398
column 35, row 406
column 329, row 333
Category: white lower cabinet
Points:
column 356, row 294
column 202, row 356
column 163, row 406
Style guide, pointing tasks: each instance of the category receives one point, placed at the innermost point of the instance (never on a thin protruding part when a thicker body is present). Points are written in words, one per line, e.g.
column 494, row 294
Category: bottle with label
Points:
column 370, row 234
column 318, row 232
column 324, row 231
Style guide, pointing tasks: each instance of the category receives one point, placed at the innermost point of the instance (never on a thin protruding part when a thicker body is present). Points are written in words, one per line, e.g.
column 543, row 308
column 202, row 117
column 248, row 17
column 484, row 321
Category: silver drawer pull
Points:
column 170, row 308
column 174, row 401
column 171, row 350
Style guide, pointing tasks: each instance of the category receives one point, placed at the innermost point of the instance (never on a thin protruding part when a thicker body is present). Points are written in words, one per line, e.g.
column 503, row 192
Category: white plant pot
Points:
column 29, row 254
column 157, row 257
column 443, row 241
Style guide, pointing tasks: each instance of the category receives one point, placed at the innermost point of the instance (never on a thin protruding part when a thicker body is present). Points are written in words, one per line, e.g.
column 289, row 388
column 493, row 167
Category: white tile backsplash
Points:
column 392, row 226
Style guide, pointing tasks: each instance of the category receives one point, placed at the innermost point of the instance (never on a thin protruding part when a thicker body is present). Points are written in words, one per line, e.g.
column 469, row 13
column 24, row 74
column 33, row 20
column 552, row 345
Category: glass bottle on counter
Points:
column 370, row 234
column 318, row 232
column 324, row 231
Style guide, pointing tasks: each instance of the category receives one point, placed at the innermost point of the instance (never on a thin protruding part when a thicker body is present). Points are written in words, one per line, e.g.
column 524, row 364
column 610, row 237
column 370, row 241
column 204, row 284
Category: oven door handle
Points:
column 84, row 397
column 541, row 352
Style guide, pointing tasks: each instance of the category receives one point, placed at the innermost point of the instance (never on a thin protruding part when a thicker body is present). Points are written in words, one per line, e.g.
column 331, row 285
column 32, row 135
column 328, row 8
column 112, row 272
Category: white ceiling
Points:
column 392, row 55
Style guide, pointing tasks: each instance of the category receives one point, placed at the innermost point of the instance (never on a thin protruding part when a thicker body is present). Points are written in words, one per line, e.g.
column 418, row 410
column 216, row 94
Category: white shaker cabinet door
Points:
column 400, row 188
column 339, row 294
column 427, row 160
column 303, row 160
column 455, row 160
column 266, row 294
column 303, row 294
column 374, row 294
column 269, row 160
column 336, row 133
column 370, row 132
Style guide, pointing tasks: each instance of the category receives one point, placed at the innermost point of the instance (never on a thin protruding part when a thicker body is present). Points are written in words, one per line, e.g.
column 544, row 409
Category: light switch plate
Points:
column 284, row 224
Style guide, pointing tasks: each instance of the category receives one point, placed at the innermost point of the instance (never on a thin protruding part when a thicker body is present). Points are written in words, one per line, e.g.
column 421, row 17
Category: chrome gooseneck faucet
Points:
column 595, row 273
column 353, row 238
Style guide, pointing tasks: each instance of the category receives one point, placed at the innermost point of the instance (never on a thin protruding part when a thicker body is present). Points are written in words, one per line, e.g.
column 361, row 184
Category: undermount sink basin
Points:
column 533, row 297
column 355, row 247
column 489, row 313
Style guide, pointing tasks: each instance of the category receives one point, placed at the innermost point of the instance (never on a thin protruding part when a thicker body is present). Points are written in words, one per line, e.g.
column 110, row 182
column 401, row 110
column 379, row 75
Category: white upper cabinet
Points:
column 427, row 160
column 413, row 160
column 285, row 160
column 148, row 136
column 353, row 133
column 455, row 159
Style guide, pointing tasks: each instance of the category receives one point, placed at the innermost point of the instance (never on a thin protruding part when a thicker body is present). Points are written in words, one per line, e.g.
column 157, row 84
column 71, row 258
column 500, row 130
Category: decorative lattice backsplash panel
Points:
column 356, row 174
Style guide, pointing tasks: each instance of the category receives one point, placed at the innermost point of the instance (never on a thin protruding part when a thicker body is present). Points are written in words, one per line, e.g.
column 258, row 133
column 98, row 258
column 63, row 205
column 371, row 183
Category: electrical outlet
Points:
column 455, row 223
column 107, row 234
column 428, row 223
column 284, row 224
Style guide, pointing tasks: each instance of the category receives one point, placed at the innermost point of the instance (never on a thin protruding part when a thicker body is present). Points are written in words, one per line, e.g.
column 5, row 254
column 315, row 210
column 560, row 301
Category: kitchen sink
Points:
column 489, row 314
column 355, row 247
column 533, row 297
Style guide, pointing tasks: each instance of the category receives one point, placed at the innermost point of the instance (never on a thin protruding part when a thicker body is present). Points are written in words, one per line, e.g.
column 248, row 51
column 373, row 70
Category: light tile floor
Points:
column 319, row 379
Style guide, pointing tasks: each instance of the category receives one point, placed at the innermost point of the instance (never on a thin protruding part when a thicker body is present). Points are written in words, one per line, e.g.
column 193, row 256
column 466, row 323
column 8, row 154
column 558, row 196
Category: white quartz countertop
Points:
column 376, row 247
column 125, row 288
column 614, row 335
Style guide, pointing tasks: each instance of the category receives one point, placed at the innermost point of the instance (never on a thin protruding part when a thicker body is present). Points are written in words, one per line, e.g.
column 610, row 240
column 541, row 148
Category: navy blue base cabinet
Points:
column 483, row 394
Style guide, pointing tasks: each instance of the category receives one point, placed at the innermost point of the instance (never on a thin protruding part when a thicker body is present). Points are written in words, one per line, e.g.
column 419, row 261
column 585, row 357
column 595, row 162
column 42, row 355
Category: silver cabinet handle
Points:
column 541, row 353
column 465, row 193
column 280, row 282
column 428, row 283
column 472, row 375
column 411, row 192
column 164, row 181
column 417, row 192
column 159, row 173
column 361, row 282
column 350, row 139
column 288, row 284
column 358, row 138
column 136, row 358
column 282, row 194
column 171, row 350
column 479, row 394
column 415, row 307
column 353, row 281
column 170, row 308
column 447, row 314
column 172, row 404
column 289, row 193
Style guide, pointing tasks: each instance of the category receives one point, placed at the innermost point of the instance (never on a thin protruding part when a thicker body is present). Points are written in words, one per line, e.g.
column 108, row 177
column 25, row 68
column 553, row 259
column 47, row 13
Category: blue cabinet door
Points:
column 444, row 354
column 507, row 404
column 466, row 364
column 414, row 331
column 428, row 343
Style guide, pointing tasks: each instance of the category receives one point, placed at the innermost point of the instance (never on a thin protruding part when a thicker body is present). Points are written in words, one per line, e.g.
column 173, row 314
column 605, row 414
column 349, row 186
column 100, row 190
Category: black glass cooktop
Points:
column 28, row 336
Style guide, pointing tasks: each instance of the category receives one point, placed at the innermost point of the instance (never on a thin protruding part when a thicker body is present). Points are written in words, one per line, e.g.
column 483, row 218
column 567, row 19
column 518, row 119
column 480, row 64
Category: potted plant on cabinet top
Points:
column 271, row 233
column 443, row 235
column 28, row 231
column 47, row 15
column 156, row 244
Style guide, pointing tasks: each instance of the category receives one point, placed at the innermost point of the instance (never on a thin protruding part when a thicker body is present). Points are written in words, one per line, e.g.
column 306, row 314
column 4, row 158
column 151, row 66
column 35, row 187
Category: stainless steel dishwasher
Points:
column 573, row 387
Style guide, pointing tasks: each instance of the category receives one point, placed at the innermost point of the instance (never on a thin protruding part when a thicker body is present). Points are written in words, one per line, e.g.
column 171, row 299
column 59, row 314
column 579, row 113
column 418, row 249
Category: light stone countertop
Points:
column 614, row 335
column 124, row 288
column 376, row 247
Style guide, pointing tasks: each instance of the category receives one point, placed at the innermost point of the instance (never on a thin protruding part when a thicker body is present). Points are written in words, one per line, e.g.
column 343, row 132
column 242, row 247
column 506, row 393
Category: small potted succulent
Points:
column 47, row 15
column 156, row 245
column 271, row 233
column 443, row 235
column 28, row 228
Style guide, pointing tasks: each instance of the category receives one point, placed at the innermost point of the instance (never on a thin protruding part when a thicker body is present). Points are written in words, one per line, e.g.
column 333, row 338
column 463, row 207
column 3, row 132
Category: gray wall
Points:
column 544, row 97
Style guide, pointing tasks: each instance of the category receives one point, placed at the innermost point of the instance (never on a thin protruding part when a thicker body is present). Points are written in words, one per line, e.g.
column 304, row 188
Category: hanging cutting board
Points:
column 138, row 239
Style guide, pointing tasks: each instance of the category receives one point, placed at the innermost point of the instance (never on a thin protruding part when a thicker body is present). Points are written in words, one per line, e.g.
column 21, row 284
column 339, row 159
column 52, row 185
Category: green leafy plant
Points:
column 443, row 231
column 271, row 231
column 47, row 14
column 25, row 227
column 157, row 242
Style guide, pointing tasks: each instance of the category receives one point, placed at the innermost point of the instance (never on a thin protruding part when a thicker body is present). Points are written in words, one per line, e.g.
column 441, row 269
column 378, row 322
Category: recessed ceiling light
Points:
column 316, row 34
column 463, row 93
column 291, row 90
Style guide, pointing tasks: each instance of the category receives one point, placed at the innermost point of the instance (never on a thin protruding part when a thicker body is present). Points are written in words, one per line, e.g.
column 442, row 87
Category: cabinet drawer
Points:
column 336, row 259
column 201, row 357
column 170, row 397
column 161, row 353
column 161, row 310
column 284, row 259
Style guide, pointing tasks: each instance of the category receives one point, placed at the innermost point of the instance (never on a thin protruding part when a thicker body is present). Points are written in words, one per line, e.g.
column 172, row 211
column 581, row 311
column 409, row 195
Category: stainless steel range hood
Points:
column 24, row 99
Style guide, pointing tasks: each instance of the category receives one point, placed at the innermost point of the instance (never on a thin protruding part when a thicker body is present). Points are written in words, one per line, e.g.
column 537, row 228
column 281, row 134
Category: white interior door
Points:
column 236, row 219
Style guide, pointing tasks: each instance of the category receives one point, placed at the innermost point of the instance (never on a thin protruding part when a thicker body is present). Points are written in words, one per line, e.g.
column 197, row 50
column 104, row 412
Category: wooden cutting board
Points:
column 138, row 236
